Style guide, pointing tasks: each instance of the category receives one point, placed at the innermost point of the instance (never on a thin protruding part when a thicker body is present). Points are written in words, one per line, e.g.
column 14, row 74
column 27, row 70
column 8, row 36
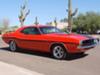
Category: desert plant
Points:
column 24, row 12
column 55, row 22
column 36, row 21
column 70, row 15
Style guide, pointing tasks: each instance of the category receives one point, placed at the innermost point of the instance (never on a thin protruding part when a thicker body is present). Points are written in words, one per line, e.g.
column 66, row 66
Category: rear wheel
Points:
column 58, row 52
column 13, row 46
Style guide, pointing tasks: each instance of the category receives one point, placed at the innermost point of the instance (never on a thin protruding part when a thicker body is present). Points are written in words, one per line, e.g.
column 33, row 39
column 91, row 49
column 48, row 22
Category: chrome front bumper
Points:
column 87, row 47
column 96, row 42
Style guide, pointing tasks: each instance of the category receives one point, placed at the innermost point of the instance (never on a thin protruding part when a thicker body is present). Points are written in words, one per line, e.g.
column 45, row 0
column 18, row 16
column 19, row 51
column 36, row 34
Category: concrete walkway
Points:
column 8, row 69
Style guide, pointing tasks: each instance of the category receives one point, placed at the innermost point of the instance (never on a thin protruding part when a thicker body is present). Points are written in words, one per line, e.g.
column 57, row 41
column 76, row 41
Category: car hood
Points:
column 71, row 36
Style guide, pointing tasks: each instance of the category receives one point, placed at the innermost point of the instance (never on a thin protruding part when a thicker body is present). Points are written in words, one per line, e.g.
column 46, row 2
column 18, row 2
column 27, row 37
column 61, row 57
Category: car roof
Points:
column 33, row 26
column 37, row 26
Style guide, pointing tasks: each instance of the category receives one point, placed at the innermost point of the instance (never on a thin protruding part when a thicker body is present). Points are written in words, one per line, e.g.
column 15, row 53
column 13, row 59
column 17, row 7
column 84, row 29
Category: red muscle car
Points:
column 48, row 39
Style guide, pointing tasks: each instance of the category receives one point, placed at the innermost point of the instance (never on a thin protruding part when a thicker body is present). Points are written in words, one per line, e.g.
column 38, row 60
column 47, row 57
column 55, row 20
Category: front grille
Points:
column 88, row 42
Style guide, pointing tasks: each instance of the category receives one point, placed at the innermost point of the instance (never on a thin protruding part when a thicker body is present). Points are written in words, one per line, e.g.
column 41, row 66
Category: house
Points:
column 60, row 25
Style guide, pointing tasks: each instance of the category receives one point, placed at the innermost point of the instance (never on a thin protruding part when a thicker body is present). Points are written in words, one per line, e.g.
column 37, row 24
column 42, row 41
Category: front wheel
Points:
column 58, row 52
column 13, row 46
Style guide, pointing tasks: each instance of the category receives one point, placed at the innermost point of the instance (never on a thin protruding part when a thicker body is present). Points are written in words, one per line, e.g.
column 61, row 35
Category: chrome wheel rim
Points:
column 58, row 52
column 12, row 46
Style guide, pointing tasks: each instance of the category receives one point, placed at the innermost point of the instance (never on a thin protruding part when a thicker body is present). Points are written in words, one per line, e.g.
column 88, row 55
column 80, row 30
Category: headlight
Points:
column 80, row 44
column 95, row 41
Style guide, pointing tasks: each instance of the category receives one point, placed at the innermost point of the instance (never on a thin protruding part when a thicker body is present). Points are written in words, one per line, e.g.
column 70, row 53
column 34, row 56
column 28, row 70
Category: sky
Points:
column 45, row 10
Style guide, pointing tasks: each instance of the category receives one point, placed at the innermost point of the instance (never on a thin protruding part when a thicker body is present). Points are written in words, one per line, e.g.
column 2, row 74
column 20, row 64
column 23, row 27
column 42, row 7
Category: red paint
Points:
column 43, row 42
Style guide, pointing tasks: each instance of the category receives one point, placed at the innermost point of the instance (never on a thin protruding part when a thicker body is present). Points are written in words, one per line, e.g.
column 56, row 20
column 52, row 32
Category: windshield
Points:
column 47, row 30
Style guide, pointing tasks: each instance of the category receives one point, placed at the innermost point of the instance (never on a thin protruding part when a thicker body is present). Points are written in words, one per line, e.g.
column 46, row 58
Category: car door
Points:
column 33, row 39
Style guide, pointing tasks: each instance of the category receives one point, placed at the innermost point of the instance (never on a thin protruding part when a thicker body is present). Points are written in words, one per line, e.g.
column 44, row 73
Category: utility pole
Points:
column 70, row 15
column 24, row 12
column 36, row 21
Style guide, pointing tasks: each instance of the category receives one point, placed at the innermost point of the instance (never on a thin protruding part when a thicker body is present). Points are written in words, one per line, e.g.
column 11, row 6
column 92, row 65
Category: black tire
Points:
column 13, row 46
column 58, row 52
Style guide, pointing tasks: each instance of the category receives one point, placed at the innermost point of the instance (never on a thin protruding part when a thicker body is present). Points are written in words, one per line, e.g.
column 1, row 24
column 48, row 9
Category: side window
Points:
column 30, row 30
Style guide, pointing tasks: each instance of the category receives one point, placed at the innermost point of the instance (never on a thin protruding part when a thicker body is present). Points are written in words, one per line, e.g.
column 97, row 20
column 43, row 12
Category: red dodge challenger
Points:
column 48, row 39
